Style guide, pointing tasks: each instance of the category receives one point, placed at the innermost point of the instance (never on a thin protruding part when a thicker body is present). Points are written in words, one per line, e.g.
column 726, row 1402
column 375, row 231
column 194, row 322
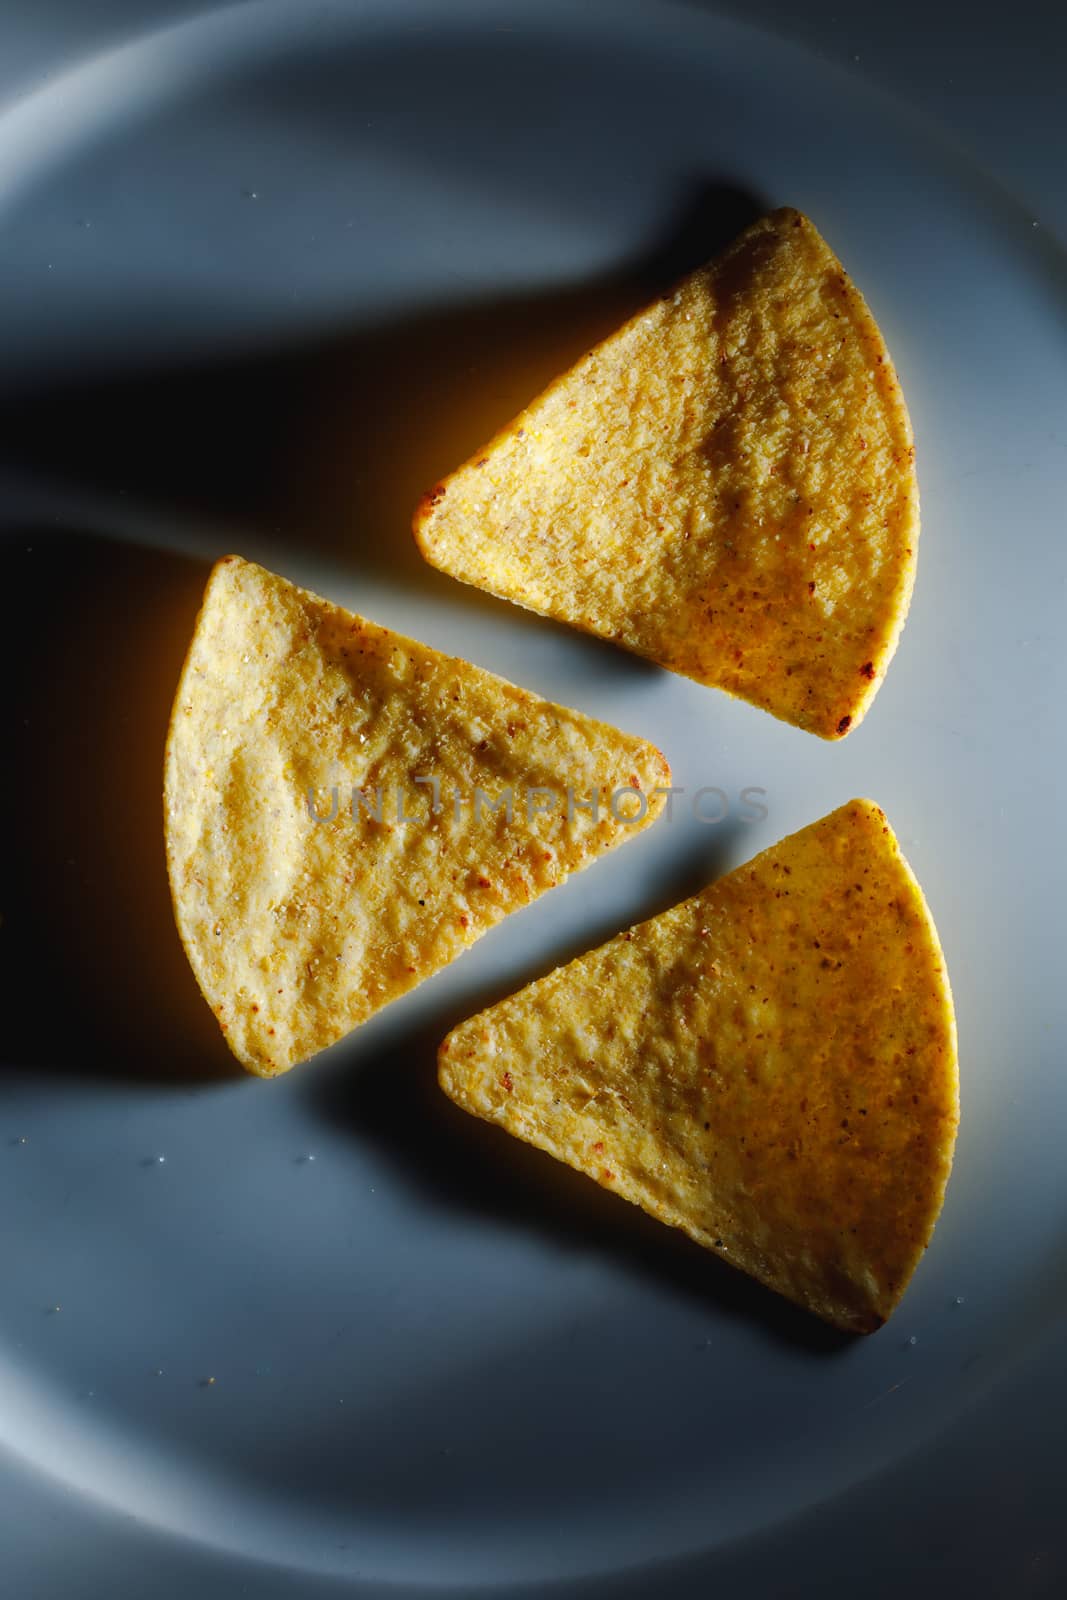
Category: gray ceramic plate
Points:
column 264, row 275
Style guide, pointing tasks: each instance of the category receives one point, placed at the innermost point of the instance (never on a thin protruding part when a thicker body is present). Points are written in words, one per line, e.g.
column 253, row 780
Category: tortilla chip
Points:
column 726, row 485
column 298, row 930
column 770, row 1066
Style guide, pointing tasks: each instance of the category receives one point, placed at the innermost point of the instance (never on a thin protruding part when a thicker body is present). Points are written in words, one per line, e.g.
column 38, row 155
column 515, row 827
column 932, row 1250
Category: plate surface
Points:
column 264, row 276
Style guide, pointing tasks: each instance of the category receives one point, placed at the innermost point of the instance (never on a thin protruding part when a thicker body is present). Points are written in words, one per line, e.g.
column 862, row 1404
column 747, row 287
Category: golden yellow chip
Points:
column 347, row 810
column 726, row 485
column 770, row 1066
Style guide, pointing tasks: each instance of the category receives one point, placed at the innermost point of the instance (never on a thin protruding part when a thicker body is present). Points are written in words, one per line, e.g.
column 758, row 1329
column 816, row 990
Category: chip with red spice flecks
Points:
column 770, row 1066
column 725, row 485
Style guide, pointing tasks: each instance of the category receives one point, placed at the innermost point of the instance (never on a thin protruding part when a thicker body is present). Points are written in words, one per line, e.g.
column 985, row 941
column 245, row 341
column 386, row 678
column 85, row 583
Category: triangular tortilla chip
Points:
column 770, row 1066
column 297, row 929
column 726, row 485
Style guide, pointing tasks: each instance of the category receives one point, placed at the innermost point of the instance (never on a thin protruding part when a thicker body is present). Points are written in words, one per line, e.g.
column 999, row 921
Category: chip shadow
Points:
column 94, row 975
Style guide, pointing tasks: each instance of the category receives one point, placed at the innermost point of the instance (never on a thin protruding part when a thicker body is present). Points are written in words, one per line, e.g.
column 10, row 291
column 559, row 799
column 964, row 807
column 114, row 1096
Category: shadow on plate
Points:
column 96, row 982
